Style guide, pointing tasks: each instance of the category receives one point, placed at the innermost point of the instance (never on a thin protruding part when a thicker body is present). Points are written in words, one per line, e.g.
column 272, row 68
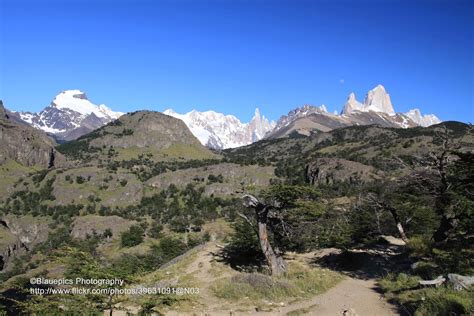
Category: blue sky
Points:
column 232, row 56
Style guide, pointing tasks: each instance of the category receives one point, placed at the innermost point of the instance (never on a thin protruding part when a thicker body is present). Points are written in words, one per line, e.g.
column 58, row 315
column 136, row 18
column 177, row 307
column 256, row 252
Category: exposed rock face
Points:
column 378, row 100
column 328, row 171
column 70, row 115
column 3, row 112
column 258, row 127
column 19, row 235
column 10, row 245
column 352, row 105
column 25, row 144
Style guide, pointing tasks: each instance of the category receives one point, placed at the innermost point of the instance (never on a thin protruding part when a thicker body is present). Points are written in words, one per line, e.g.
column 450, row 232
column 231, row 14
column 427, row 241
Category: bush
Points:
column 155, row 230
column 444, row 301
column 400, row 282
column 170, row 247
column 419, row 246
column 132, row 237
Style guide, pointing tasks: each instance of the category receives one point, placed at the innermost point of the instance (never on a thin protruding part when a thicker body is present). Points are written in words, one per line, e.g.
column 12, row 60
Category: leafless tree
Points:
column 264, row 214
column 382, row 205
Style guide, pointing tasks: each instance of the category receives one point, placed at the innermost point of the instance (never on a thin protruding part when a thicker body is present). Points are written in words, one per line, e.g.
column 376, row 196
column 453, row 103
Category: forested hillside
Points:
column 139, row 198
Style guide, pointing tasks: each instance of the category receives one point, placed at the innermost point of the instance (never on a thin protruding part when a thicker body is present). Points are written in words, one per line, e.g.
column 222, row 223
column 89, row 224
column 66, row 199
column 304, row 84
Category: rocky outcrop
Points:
column 352, row 105
column 24, row 144
column 378, row 100
column 328, row 171
column 9, row 246
column 19, row 235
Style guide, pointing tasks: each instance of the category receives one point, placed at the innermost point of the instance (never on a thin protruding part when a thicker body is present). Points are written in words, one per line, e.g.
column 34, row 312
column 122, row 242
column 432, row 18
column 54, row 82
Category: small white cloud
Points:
column 341, row 81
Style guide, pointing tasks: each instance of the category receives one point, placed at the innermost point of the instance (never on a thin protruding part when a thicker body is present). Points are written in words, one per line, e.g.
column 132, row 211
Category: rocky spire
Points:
column 378, row 100
column 3, row 112
column 352, row 105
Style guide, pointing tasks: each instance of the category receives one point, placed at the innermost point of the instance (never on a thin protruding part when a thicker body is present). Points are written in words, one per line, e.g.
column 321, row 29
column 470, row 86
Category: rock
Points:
column 349, row 312
column 378, row 100
column 352, row 105
column 19, row 234
column 436, row 282
column 460, row 282
column 25, row 144
column 393, row 240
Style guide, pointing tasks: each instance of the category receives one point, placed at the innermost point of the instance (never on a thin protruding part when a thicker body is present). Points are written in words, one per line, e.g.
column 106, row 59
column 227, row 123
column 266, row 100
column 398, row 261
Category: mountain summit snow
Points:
column 70, row 115
column 376, row 109
column 376, row 100
column 220, row 131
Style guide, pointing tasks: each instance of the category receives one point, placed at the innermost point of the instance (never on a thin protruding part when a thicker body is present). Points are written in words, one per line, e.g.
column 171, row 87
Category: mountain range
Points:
column 220, row 131
column 71, row 114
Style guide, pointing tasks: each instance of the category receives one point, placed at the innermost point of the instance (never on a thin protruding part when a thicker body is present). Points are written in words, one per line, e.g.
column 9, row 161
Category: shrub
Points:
column 132, row 237
column 80, row 179
column 155, row 230
column 107, row 233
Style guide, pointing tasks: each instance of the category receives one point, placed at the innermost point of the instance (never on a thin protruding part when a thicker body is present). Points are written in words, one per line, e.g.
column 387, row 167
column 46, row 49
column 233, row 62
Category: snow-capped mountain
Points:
column 422, row 120
column 70, row 115
column 378, row 100
column 376, row 109
column 220, row 131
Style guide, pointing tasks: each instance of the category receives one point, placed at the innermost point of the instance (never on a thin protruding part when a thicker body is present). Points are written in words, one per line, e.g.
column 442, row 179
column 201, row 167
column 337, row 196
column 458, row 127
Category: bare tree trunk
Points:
column 398, row 223
column 384, row 206
column 275, row 261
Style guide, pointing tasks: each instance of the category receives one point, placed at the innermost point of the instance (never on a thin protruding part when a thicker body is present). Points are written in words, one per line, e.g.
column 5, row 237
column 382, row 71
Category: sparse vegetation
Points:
column 162, row 222
column 299, row 282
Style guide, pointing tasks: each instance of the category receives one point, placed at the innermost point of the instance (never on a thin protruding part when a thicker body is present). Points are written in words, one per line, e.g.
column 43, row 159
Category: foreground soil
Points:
column 351, row 296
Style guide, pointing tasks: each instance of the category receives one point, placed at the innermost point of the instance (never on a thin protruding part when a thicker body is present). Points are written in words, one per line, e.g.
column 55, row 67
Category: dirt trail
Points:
column 350, row 297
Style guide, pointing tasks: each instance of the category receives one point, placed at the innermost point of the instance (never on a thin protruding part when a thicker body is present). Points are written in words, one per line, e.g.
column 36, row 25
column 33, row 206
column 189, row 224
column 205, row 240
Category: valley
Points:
column 143, row 200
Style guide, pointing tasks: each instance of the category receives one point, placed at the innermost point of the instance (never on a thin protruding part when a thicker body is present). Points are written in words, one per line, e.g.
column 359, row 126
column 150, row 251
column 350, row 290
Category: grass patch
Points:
column 443, row 300
column 400, row 282
column 299, row 282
